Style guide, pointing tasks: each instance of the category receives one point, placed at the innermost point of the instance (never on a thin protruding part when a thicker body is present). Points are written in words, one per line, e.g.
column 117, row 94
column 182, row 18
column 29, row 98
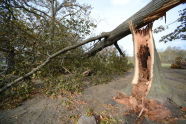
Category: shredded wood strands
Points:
column 144, row 60
column 150, row 108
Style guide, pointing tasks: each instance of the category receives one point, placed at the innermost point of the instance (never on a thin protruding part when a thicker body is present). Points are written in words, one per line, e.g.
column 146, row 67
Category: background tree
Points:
column 169, row 55
column 36, row 29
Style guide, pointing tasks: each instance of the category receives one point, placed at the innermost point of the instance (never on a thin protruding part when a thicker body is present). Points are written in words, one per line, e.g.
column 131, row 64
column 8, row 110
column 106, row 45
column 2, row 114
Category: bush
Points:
column 178, row 63
column 175, row 66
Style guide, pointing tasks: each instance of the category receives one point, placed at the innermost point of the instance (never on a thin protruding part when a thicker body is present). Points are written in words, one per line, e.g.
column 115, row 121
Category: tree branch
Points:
column 119, row 50
column 17, row 5
column 104, row 35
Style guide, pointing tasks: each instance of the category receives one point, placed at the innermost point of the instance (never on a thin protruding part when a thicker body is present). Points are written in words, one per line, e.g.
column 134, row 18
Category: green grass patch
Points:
column 166, row 65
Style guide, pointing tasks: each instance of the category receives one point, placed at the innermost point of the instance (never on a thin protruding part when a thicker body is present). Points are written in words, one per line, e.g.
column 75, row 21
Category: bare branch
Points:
column 22, row 6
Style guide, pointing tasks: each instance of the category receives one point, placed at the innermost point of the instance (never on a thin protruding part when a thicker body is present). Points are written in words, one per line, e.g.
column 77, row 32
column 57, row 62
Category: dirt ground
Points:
column 66, row 108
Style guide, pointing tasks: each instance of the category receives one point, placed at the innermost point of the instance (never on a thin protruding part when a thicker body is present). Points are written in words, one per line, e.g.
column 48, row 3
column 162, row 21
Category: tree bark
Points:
column 53, row 18
column 147, row 65
column 10, row 59
column 152, row 11
column 119, row 50
column 10, row 54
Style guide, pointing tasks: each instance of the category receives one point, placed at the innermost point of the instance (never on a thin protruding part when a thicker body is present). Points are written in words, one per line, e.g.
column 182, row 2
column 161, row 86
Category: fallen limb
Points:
column 103, row 35
column 151, row 12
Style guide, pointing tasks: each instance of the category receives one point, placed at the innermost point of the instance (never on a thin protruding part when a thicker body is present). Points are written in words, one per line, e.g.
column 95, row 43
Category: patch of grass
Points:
column 89, row 112
column 108, row 120
column 103, row 117
column 74, row 118
column 166, row 65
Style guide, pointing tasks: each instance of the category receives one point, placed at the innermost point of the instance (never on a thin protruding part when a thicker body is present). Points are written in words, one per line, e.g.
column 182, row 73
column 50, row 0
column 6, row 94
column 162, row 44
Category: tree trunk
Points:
column 148, row 65
column 152, row 11
column 149, row 90
column 9, row 53
column 10, row 61
column 53, row 17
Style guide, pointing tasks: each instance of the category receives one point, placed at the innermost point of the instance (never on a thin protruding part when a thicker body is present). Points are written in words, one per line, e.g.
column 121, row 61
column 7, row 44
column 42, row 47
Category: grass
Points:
column 166, row 65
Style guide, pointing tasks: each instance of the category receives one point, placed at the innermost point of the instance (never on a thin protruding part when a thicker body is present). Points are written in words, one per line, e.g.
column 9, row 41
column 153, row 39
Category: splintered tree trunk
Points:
column 149, row 90
column 148, row 80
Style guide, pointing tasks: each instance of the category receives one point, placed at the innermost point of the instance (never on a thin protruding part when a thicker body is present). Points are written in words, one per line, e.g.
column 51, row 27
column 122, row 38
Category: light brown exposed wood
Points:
column 145, row 78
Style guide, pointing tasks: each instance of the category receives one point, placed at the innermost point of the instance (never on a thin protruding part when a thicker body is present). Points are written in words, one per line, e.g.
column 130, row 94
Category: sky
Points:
column 108, row 14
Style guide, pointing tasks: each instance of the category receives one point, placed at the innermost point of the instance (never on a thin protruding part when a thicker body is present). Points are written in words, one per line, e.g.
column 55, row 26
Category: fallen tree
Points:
column 50, row 58
column 154, row 10
column 151, row 12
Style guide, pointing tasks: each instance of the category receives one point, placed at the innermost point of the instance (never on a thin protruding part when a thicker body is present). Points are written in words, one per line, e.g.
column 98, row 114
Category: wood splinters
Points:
column 146, row 66
column 141, row 112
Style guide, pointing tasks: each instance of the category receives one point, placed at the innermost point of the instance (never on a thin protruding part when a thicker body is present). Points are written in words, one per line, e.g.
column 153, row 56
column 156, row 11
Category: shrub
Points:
column 70, row 74
column 178, row 62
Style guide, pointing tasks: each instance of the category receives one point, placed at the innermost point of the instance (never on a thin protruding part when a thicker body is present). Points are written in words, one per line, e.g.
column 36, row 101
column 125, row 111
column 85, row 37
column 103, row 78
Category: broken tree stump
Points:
column 149, row 90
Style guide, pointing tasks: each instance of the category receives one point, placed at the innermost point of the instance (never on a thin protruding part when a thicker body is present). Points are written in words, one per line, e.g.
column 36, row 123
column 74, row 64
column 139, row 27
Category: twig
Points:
column 67, row 70
column 141, row 112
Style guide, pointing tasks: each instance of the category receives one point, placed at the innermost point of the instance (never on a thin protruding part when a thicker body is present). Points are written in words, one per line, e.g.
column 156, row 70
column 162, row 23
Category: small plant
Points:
column 106, row 119
column 90, row 112
column 179, row 63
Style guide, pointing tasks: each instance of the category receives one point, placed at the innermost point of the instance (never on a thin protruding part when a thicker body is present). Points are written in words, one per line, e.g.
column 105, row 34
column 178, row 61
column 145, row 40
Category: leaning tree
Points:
column 149, row 90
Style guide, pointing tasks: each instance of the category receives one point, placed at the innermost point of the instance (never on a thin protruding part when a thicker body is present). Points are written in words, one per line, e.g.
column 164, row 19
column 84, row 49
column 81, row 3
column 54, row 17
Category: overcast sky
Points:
column 110, row 13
